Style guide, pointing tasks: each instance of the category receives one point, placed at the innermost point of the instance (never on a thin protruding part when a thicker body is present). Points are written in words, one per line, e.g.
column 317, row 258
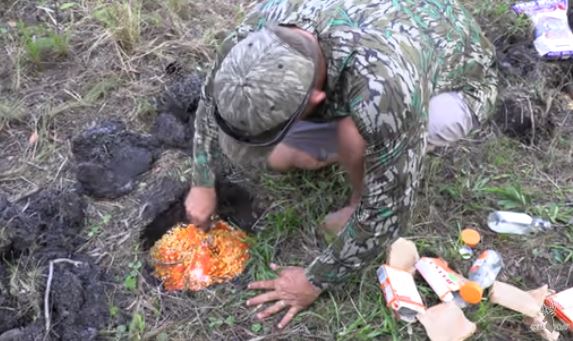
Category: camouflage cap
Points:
column 263, row 84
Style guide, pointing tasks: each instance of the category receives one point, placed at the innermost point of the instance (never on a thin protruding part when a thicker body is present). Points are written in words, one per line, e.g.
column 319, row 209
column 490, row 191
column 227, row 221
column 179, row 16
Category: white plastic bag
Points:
column 553, row 37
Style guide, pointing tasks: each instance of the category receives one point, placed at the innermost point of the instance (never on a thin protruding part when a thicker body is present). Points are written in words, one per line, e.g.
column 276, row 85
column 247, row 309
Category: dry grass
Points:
column 115, row 56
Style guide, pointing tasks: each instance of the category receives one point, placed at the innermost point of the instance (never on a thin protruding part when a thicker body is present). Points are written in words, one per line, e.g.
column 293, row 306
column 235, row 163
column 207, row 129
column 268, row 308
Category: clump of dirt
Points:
column 525, row 118
column 110, row 158
column 47, row 219
column 531, row 102
column 174, row 126
column 35, row 231
column 172, row 132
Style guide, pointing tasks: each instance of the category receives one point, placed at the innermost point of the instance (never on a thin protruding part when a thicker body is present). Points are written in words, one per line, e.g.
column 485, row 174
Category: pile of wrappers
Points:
column 446, row 321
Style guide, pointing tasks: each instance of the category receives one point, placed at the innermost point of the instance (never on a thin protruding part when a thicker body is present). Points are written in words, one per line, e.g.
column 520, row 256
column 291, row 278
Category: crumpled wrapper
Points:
column 446, row 322
column 187, row 258
column 528, row 303
column 403, row 255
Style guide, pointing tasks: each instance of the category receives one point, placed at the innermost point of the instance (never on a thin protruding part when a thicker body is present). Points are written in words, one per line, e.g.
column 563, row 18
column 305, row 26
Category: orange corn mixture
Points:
column 187, row 258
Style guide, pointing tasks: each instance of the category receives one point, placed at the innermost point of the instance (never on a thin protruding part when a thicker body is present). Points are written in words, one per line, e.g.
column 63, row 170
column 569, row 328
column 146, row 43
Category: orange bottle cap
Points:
column 471, row 237
column 471, row 292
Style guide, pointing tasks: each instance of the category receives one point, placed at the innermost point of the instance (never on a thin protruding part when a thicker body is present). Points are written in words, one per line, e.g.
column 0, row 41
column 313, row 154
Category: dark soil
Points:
column 45, row 220
column 170, row 131
column 109, row 159
column 174, row 126
column 164, row 207
column 38, row 229
column 528, row 111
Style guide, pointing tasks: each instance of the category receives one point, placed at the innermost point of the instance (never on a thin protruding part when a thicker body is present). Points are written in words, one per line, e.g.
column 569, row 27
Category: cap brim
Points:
column 244, row 154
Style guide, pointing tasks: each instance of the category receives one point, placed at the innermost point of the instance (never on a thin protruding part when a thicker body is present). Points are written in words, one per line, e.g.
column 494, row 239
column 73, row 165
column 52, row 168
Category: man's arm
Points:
column 395, row 140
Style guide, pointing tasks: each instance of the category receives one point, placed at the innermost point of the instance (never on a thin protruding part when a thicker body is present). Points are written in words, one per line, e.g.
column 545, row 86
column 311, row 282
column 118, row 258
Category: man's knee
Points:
column 449, row 119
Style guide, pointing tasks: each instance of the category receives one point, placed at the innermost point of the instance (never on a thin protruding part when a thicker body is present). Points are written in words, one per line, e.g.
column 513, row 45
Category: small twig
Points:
column 48, row 287
column 532, row 115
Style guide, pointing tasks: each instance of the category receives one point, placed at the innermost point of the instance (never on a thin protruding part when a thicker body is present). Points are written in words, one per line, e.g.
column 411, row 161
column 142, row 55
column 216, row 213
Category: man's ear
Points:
column 317, row 97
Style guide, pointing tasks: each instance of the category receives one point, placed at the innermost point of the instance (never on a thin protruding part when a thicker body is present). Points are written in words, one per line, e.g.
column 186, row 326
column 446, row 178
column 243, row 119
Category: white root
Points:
column 48, row 288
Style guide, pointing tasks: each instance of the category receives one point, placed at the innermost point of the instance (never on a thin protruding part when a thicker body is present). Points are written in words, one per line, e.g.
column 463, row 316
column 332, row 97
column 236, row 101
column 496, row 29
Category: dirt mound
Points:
column 48, row 219
column 37, row 233
column 174, row 126
column 172, row 132
column 181, row 94
column 109, row 159
column 530, row 99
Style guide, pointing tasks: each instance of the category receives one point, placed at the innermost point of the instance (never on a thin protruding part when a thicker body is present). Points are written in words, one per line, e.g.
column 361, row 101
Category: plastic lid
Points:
column 471, row 237
column 471, row 292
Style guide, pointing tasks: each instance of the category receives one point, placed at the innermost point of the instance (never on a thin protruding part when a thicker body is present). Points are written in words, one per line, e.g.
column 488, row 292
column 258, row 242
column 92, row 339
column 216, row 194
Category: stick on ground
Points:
column 48, row 288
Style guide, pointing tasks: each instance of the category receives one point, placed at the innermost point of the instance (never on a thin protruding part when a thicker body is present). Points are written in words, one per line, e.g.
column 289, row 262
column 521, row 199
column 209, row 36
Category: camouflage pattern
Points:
column 247, row 93
column 385, row 60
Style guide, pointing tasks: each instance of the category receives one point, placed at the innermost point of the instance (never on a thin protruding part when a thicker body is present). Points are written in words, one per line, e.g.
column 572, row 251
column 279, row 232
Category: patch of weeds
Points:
column 370, row 326
column 101, row 89
column 133, row 331
column 256, row 327
column 554, row 212
column 561, row 254
column 144, row 110
column 97, row 228
column 180, row 8
column 264, row 245
column 501, row 152
column 366, row 317
column 136, row 326
column 113, row 311
column 218, row 322
column 130, row 281
column 511, row 197
column 67, row 5
column 123, row 20
column 10, row 111
column 42, row 44
column 24, row 283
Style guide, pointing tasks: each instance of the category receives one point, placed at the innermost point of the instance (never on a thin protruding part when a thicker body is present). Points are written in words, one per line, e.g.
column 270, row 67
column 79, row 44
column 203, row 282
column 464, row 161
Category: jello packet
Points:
column 553, row 36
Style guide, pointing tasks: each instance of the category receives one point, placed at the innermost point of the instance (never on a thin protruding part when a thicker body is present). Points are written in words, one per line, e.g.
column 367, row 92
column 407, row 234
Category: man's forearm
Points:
column 351, row 147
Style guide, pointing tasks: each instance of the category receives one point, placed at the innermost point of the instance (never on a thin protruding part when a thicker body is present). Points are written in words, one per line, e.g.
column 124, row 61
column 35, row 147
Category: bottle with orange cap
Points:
column 481, row 276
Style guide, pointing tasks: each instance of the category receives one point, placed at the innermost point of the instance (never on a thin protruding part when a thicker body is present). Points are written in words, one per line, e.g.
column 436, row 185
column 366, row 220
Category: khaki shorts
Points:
column 449, row 121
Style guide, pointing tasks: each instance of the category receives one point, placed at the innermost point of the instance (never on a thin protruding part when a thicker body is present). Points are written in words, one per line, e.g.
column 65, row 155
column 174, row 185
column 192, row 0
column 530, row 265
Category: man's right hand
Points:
column 200, row 205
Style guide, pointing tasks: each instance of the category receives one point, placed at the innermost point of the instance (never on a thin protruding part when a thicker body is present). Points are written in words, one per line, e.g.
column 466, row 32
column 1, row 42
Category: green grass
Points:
column 123, row 20
column 11, row 110
column 42, row 44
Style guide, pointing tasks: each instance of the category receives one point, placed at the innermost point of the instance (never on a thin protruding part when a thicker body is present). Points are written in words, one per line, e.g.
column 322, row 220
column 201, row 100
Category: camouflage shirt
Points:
column 385, row 60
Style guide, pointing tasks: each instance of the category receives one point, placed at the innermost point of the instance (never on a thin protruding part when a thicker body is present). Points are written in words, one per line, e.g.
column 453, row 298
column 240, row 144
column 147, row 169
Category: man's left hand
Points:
column 290, row 290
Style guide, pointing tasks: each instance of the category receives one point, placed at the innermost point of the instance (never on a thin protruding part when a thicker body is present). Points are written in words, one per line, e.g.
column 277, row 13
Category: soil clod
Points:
column 174, row 126
column 110, row 158
column 37, row 229
column 172, row 132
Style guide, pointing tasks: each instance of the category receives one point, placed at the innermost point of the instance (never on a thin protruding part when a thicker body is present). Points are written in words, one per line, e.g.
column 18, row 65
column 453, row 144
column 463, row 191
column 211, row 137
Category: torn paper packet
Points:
column 561, row 304
column 553, row 37
column 444, row 281
column 400, row 293
column 403, row 255
column 446, row 322
column 513, row 298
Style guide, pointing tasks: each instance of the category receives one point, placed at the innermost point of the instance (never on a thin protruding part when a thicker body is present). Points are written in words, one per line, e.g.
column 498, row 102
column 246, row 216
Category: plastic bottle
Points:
column 516, row 223
column 481, row 276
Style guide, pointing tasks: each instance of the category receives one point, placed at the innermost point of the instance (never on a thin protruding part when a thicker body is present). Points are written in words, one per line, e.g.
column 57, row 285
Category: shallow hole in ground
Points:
column 235, row 205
